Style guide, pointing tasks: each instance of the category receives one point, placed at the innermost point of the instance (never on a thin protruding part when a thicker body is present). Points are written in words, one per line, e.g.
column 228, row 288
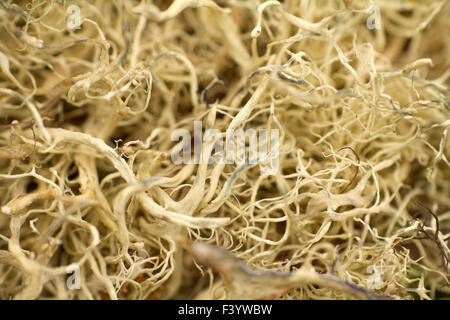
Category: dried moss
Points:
column 86, row 181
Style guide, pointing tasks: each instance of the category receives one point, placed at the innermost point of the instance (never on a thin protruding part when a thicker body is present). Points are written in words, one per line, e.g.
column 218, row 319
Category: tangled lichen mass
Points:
column 93, row 205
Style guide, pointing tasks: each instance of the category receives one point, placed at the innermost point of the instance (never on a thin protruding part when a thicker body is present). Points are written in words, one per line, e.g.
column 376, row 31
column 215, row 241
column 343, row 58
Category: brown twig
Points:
column 435, row 236
column 357, row 168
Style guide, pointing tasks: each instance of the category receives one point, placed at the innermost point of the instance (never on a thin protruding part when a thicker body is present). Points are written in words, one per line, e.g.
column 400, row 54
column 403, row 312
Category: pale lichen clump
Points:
column 93, row 207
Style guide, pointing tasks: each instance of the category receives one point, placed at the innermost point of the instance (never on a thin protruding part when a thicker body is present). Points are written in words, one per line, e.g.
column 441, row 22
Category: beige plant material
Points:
column 358, row 208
